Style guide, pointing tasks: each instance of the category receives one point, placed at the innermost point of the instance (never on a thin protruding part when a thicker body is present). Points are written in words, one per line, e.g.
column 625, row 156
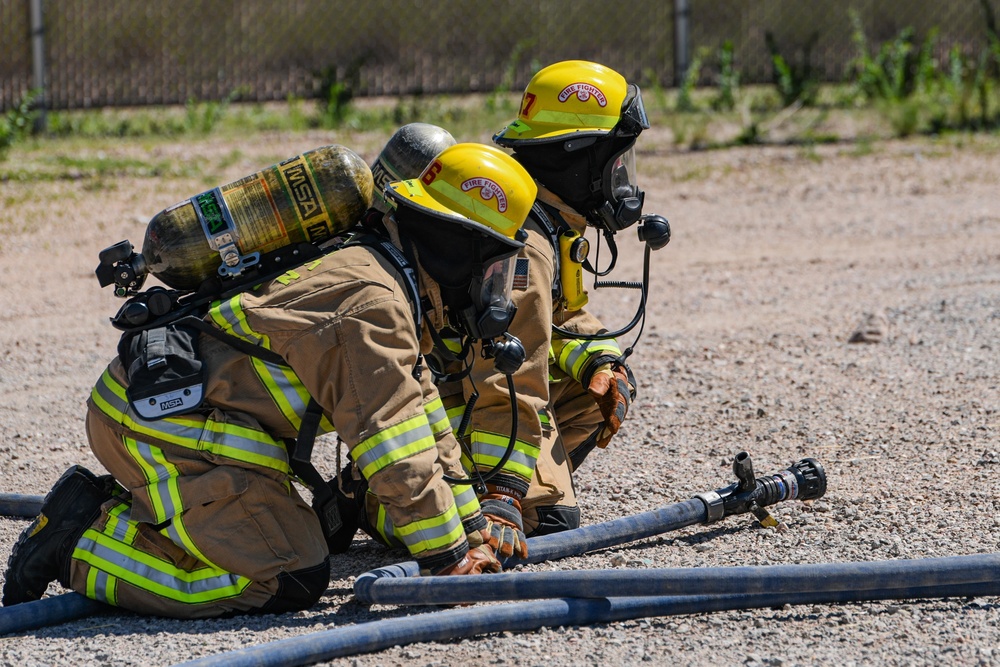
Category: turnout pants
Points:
column 550, row 505
column 199, row 535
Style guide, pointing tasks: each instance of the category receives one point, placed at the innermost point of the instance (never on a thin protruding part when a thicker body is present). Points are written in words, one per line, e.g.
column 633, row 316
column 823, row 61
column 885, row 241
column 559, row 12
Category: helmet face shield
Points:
column 634, row 119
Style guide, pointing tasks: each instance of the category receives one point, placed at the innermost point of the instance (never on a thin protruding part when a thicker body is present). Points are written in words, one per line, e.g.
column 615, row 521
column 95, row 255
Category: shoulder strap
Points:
column 552, row 230
column 233, row 341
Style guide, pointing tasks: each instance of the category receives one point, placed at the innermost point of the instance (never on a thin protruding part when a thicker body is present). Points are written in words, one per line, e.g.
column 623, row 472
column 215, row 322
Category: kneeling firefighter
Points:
column 413, row 150
column 200, row 516
column 575, row 134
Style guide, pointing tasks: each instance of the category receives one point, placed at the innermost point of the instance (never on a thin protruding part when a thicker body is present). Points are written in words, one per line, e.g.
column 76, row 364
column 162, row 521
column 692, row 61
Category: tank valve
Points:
column 123, row 267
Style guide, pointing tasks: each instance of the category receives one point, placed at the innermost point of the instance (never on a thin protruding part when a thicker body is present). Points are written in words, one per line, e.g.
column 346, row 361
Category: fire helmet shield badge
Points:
column 488, row 189
column 583, row 92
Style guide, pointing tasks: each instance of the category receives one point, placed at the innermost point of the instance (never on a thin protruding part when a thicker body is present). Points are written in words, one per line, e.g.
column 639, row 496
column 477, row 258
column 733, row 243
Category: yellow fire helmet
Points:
column 573, row 97
column 477, row 186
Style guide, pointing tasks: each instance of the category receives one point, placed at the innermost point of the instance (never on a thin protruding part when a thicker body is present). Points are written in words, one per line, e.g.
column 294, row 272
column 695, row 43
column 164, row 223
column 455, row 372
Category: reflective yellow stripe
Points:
column 573, row 355
column 282, row 384
column 229, row 440
column 384, row 527
column 229, row 316
column 155, row 575
column 393, row 444
column 288, row 393
column 574, row 119
column 119, row 526
column 437, row 417
column 466, row 501
column 164, row 494
column 161, row 478
column 101, row 587
column 424, row 535
column 455, row 416
column 489, row 448
column 452, row 343
column 429, row 534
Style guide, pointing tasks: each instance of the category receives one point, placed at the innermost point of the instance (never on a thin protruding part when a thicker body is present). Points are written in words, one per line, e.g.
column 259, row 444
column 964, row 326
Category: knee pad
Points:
column 300, row 589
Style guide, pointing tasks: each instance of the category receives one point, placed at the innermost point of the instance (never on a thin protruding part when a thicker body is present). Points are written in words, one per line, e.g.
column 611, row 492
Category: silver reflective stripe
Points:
column 438, row 417
column 496, row 452
column 101, row 586
column 280, row 380
column 387, row 530
column 455, row 417
column 225, row 582
column 575, row 356
column 224, row 442
column 161, row 488
column 237, row 324
column 284, row 388
column 234, row 442
column 390, row 445
column 428, row 535
column 121, row 521
column 463, row 498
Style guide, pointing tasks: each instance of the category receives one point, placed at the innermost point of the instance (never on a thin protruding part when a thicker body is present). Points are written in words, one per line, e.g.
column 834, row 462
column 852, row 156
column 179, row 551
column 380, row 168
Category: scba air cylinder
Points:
column 308, row 198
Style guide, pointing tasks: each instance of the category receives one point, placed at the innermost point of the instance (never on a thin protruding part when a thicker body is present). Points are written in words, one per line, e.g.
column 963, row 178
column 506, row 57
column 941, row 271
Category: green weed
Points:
column 18, row 122
column 685, row 97
column 794, row 80
column 499, row 98
column 729, row 79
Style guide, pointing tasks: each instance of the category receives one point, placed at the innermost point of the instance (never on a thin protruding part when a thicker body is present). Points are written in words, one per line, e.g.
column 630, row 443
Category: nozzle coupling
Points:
column 803, row 480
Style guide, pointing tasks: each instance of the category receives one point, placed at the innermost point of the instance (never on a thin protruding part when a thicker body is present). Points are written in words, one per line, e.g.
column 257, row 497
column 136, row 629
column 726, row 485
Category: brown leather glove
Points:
column 504, row 527
column 611, row 387
column 479, row 560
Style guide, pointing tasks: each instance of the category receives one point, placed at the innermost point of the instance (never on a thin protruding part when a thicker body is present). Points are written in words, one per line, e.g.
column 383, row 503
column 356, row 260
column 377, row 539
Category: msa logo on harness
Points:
column 166, row 404
column 173, row 403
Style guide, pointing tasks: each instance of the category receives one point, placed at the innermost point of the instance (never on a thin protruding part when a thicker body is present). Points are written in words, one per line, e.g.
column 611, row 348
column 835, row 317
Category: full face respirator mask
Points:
column 476, row 274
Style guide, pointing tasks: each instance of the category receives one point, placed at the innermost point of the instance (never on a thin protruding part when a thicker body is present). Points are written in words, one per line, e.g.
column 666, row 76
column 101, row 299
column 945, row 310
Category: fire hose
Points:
column 615, row 595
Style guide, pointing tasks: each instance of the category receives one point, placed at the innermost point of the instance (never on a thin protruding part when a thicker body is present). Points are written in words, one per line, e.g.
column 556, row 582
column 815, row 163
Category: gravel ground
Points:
column 779, row 255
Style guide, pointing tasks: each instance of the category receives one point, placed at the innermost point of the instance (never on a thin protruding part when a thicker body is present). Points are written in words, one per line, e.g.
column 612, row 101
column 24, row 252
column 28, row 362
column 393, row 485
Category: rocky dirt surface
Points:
column 779, row 255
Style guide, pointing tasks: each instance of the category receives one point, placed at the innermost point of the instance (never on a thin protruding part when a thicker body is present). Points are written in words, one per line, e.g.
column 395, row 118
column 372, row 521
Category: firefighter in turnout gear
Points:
column 200, row 516
column 575, row 134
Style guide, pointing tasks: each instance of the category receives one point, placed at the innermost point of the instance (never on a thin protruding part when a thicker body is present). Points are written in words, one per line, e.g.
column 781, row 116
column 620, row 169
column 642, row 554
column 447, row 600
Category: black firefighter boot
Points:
column 42, row 552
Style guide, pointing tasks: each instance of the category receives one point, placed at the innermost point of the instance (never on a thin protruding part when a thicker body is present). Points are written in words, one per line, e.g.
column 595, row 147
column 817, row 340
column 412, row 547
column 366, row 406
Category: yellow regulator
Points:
column 573, row 250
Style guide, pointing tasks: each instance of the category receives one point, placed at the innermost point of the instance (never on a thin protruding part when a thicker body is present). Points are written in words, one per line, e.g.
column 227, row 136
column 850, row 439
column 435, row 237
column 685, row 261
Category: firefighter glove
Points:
column 479, row 560
column 504, row 526
column 613, row 387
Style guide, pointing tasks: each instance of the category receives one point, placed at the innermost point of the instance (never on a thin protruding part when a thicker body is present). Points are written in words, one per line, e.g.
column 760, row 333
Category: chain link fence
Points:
column 122, row 53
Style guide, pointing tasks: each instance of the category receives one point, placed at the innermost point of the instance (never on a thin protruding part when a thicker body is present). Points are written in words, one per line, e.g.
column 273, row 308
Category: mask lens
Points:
column 622, row 179
column 498, row 283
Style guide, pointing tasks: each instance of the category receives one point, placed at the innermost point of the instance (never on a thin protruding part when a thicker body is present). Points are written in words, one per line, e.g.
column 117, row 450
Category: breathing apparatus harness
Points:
column 160, row 350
